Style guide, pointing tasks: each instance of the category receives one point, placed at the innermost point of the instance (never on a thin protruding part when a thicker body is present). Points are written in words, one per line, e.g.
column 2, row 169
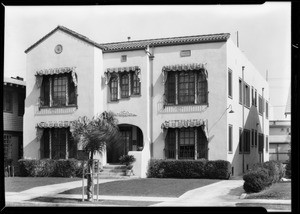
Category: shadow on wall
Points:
column 32, row 98
column 31, row 149
column 253, row 156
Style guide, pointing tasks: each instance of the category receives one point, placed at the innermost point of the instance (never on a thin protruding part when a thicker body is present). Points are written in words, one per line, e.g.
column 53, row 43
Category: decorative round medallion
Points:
column 58, row 49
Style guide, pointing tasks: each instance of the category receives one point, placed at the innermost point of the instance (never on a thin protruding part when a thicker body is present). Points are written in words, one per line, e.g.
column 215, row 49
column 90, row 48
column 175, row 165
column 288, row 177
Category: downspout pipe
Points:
column 243, row 98
column 263, row 126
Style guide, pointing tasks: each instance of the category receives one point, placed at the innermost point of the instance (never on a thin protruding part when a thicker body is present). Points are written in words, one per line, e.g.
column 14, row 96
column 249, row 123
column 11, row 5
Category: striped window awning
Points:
column 110, row 71
column 186, row 124
column 183, row 67
column 54, row 124
column 54, row 71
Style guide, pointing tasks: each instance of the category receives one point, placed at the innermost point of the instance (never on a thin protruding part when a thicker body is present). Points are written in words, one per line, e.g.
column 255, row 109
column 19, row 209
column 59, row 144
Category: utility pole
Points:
column 243, row 100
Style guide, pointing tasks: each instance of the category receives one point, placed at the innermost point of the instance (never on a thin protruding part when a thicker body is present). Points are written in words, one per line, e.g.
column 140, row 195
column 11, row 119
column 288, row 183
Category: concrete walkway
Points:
column 223, row 193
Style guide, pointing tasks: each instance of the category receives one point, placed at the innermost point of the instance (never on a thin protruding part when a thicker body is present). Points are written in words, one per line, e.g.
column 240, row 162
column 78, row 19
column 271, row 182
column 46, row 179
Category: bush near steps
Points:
column 202, row 168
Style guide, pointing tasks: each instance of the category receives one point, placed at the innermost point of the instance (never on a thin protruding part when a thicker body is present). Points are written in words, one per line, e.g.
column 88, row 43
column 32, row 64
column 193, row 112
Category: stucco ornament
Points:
column 58, row 49
column 125, row 114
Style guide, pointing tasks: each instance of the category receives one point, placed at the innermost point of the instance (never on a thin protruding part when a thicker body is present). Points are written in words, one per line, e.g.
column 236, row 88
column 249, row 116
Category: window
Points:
column 246, row 141
column 267, row 143
column 186, row 88
column 240, row 91
column 229, row 83
column 170, row 144
column 240, row 140
column 7, row 146
column 171, row 88
column 186, row 83
column 57, row 143
column 60, row 88
column 252, row 96
column 260, row 143
column 255, row 136
column 247, row 95
column 255, row 98
column 230, row 138
column 252, row 138
column 7, row 101
column 136, row 85
column 114, row 89
column 246, row 138
column 260, row 105
column 124, row 86
column 186, row 143
column 123, row 58
column 267, row 110
column 21, row 104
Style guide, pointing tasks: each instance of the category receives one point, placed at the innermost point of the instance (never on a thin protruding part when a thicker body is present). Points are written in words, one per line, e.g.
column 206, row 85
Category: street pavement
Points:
column 223, row 193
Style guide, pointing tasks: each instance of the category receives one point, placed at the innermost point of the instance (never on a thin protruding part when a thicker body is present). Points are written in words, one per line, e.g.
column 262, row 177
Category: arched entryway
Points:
column 131, row 139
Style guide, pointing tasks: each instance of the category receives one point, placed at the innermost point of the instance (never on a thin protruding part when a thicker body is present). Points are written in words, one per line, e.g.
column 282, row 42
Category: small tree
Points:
column 93, row 135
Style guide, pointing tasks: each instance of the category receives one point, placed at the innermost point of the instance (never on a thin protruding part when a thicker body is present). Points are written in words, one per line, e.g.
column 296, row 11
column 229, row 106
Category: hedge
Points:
column 159, row 168
column 263, row 175
column 50, row 168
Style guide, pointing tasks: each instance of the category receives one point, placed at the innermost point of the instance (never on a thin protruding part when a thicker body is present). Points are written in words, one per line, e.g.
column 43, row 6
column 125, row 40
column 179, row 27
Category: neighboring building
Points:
column 14, row 90
column 171, row 97
column 280, row 139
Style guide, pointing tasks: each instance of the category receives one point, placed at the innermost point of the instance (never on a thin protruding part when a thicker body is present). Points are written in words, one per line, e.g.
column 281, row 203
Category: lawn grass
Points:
column 281, row 190
column 151, row 187
column 19, row 184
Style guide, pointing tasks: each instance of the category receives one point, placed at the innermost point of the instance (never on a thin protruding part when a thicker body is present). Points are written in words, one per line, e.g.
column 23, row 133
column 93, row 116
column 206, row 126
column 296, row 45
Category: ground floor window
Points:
column 57, row 143
column 279, row 152
column 7, row 146
column 185, row 143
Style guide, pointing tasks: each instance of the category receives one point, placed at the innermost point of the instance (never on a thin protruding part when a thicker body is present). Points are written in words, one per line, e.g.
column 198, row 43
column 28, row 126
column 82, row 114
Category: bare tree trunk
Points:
column 89, row 178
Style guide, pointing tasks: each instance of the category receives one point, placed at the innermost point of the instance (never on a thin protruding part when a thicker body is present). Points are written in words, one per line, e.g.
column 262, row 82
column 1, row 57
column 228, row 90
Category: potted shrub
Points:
column 128, row 160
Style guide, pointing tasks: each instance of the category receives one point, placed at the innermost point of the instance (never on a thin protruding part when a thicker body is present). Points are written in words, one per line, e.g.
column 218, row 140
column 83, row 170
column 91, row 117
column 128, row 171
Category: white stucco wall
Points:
column 75, row 53
column 235, row 60
column 214, row 56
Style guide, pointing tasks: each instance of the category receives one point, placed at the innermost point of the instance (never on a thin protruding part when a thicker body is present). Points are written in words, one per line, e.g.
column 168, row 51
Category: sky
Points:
column 264, row 32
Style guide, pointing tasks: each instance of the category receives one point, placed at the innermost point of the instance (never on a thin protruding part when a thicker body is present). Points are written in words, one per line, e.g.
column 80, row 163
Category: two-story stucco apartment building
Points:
column 172, row 97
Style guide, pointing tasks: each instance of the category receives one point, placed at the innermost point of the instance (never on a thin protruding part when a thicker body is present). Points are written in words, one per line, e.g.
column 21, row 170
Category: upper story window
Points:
column 240, row 91
column 255, row 98
column 123, row 84
column 114, row 89
column 267, row 110
column 186, row 87
column 260, row 104
column 252, row 96
column 247, row 95
column 8, row 101
column 58, row 91
column 229, row 83
column 21, row 104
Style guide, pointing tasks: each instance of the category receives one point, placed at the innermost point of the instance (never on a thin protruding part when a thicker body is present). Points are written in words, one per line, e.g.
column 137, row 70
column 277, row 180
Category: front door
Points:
column 121, row 147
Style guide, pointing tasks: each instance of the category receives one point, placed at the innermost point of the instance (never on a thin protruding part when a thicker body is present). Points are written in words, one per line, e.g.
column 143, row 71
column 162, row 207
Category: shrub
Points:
column 127, row 159
column 159, row 168
column 50, row 168
column 256, row 180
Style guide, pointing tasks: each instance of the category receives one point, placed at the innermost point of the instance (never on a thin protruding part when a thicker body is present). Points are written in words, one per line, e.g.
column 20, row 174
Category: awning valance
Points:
column 54, row 124
column 182, row 123
column 110, row 71
column 183, row 67
column 53, row 71
column 185, row 124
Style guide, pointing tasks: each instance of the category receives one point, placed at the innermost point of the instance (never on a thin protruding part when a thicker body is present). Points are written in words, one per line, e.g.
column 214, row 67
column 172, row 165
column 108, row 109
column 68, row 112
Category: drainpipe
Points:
column 243, row 98
column 149, row 53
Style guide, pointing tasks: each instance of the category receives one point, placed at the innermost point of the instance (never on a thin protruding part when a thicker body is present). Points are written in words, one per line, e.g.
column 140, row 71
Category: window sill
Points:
column 192, row 104
column 229, row 96
column 230, row 152
column 53, row 107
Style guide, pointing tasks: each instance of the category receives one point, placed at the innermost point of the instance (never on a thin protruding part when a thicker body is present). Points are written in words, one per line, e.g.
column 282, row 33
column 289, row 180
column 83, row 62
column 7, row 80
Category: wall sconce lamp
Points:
column 231, row 111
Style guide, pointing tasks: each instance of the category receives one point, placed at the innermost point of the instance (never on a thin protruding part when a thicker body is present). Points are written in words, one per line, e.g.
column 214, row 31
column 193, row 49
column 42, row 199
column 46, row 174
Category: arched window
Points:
column 124, row 86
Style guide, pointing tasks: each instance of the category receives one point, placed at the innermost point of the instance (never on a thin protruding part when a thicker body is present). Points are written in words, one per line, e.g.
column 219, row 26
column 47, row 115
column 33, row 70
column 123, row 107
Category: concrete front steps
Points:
column 114, row 171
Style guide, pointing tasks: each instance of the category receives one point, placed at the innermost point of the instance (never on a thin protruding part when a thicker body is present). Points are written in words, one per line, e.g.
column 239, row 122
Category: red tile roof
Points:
column 139, row 44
